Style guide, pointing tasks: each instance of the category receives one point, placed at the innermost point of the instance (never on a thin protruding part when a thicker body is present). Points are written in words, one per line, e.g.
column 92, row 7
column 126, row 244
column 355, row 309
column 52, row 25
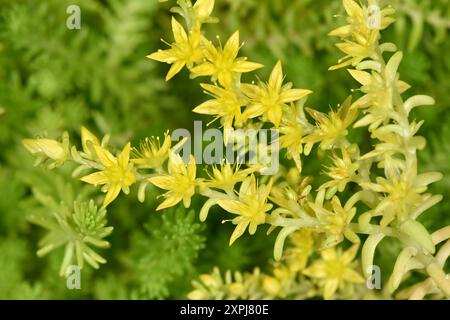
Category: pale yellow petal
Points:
column 210, row 107
column 250, row 90
column 203, row 8
column 95, row 178
column 242, row 66
column 274, row 115
column 352, row 49
column 166, row 56
column 225, row 78
column 174, row 69
column 231, row 48
column 232, row 206
column 392, row 66
column 106, row 158
column 341, row 31
column 330, row 288
column 253, row 111
column 362, row 77
column 352, row 8
column 86, row 136
column 276, row 77
column 170, row 201
column 215, row 90
column 328, row 254
column 164, row 182
column 124, row 156
column 191, row 168
column 352, row 276
column 317, row 270
column 204, row 69
column 179, row 33
column 350, row 254
column 113, row 192
column 238, row 231
column 292, row 95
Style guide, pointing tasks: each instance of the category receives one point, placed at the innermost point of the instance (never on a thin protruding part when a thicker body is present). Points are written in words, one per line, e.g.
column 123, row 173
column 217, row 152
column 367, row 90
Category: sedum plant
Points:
column 328, row 230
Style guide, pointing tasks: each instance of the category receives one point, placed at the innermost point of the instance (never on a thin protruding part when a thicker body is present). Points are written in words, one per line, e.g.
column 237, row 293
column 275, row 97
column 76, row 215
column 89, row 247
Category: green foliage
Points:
column 165, row 253
column 53, row 79
column 78, row 229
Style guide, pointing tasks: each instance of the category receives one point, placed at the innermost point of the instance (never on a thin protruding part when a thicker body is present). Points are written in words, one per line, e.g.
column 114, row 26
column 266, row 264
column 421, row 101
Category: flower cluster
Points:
column 387, row 193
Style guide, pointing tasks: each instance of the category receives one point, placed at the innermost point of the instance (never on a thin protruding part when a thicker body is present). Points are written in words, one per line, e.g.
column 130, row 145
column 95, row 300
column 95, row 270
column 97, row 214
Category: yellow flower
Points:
column 380, row 90
column 48, row 147
column 285, row 196
column 403, row 195
column 331, row 129
column 251, row 207
column 184, row 51
column 118, row 173
column 151, row 153
column 268, row 99
column 360, row 37
column 228, row 175
column 180, row 182
column 395, row 140
column 225, row 105
column 334, row 270
column 302, row 246
column 221, row 63
column 293, row 128
column 341, row 173
column 335, row 221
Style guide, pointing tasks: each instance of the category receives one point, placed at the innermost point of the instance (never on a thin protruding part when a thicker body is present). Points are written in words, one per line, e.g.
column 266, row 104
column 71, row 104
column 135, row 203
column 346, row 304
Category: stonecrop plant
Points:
column 327, row 229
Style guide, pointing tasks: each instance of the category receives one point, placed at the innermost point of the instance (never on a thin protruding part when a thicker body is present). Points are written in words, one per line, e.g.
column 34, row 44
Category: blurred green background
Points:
column 54, row 79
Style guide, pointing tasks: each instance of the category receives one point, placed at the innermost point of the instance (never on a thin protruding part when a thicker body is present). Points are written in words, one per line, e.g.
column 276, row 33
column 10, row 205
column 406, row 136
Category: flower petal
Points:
column 294, row 95
column 179, row 33
column 105, row 157
column 242, row 66
column 238, row 231
column 276, row 77
column 113, row 192
column 170, row 201
column 174, row 69
column 165, row 182
column 232, row 206
column 231, row 48
column 330, row 288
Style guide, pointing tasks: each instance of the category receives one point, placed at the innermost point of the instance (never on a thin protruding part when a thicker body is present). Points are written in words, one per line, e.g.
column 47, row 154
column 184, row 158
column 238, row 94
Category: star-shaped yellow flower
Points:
column 226, row 105
column 251, row 207
column 331, row 129
column 184, row 51
column 335, row 221
column 379, row 90
column 118, row 173
column 268, row 99
column 151, row 154
column 222, row 64
column 359, row 35
column 334, row 270
column 180, row 182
